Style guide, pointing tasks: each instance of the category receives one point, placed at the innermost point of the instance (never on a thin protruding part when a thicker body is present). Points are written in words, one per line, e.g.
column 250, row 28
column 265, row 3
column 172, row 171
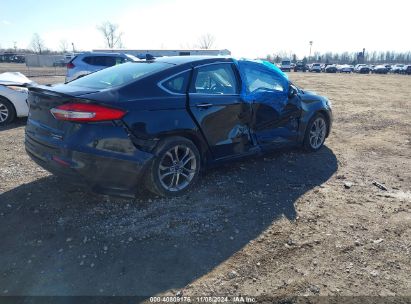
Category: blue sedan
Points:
column 157, row 123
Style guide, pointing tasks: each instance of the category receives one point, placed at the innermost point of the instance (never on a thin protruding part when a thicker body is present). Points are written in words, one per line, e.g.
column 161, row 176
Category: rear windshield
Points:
column 119, row 75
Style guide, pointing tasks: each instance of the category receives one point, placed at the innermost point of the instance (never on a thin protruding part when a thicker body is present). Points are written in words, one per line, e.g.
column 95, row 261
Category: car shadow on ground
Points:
column 58, row 240
column 19, row 122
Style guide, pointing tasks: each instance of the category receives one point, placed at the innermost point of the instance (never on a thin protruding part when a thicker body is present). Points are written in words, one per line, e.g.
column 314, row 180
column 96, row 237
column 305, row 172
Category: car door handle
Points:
column 204, row 105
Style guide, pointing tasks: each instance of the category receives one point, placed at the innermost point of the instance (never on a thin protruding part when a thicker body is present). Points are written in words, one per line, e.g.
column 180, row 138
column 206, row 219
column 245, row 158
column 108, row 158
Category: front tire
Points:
column 315, row 133
column 175, row 168
column 7, row 112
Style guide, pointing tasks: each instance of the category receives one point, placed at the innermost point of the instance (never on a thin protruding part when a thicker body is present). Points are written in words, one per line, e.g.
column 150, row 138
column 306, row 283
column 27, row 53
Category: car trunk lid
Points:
column 41, row 122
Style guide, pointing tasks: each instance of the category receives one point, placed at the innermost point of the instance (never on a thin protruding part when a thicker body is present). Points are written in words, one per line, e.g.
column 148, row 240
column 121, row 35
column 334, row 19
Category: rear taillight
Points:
column 70, row 65
column 83, row 112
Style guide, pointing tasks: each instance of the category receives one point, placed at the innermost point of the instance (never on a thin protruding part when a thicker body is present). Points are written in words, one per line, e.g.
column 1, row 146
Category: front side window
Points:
column 259, row 80
column 215, row 79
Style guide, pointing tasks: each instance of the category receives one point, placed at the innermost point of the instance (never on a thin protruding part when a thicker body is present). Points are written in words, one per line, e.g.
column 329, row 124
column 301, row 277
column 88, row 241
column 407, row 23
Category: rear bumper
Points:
column 103, row 174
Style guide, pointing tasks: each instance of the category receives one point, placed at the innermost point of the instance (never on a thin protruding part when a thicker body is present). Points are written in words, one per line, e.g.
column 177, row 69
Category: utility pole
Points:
column 311, row 44
column 72, row 44
column 15, row 46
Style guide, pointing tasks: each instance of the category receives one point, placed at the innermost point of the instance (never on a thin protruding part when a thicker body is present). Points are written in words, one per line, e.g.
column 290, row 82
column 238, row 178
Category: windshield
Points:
column 285, row 62
column 119, row 75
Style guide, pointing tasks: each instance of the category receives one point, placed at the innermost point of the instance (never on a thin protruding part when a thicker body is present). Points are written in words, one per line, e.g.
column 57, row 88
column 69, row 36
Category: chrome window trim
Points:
column 208, row 94
column 213, row 63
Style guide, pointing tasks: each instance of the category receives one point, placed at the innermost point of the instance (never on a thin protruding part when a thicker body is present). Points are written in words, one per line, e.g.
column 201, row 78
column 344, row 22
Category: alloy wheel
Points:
column 177, row 168
column 317, row 133
column 4, row 112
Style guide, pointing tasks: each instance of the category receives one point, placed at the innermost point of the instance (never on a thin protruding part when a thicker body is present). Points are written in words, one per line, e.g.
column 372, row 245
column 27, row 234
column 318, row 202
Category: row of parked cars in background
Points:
column 300, row 66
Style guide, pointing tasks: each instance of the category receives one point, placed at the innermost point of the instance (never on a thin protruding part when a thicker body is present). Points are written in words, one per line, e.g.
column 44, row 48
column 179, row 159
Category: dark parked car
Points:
column 407, row 70
column 300, row 66
column 158, row 123
column 60, row 63
column 330, row 68
column 18, row 59
column 380, row 69
column 364, row 69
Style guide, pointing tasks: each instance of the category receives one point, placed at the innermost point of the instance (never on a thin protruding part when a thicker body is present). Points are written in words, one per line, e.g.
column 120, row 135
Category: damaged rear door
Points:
column 215, row 103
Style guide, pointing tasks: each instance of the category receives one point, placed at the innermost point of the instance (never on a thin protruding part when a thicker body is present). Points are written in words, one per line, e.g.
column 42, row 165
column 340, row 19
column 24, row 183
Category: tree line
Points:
column 370, row 57
column 112, row 37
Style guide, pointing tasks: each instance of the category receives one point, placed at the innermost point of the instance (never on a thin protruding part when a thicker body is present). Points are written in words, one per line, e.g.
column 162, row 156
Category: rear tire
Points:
column 7, row 112
column 175, row 167
column 315, row 133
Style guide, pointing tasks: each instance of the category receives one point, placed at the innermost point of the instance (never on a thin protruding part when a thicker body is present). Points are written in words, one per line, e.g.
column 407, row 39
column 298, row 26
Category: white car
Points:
column 315, row 67
column 90, row 62
column 398, row 68
column 13, row 96
column 285, row 65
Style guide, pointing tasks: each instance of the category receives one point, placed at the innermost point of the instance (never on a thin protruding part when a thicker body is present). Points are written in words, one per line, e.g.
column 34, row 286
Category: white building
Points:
column 159, row 53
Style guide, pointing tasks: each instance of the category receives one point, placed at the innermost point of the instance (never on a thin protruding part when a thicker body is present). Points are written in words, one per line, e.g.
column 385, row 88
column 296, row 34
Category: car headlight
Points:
column 18, row 89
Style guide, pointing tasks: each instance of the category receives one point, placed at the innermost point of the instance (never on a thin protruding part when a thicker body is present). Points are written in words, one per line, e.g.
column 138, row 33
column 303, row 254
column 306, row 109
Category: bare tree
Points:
column 111, row 33
column 37, row 44
column 63, row 46
column 206, row 41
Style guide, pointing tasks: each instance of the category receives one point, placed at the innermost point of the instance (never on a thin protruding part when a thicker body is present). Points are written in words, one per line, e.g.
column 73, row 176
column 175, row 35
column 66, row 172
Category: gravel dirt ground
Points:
column 286, row 224
column 34, row 72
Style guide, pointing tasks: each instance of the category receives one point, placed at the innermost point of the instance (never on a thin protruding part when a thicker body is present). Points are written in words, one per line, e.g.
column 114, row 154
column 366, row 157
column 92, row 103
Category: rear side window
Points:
column 177, row 84
column 119, row 75
column 89, row 60
column 215, row 79
column 106, row 61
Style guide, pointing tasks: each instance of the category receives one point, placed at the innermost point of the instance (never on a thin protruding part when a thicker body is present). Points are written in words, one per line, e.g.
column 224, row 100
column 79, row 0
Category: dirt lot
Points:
column 34, row 72
column 286, row 224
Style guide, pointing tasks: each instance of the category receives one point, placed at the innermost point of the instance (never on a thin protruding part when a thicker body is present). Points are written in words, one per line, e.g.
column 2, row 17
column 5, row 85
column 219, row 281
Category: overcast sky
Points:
column 248, row 28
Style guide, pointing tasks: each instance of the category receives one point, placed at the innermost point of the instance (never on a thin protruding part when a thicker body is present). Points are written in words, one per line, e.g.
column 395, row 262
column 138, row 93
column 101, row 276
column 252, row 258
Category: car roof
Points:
column 177, row 60
column 100, row 54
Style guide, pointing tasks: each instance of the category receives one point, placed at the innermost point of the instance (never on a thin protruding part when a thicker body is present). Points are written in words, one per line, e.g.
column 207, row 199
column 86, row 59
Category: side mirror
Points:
column 292, row 92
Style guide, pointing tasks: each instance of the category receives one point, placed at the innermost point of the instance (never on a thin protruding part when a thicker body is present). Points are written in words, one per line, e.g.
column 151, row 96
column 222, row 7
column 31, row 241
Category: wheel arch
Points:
column 2, row 97
column 196, row 139
column 327, row 118
column 8, row 100
column 308, row 116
